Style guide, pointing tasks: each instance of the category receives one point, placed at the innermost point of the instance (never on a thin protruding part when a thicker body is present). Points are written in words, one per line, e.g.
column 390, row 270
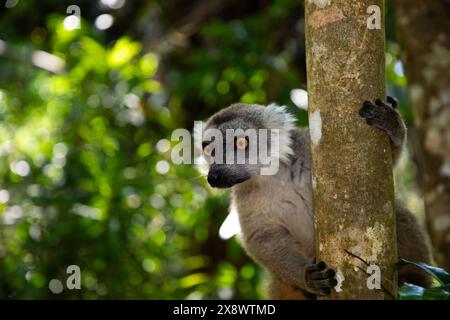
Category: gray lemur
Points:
column 275, row 211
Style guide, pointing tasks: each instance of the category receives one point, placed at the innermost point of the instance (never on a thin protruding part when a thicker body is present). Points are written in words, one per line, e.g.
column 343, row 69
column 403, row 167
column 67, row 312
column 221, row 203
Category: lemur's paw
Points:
column 384, row 116
column 380, row 113
column 320, row 279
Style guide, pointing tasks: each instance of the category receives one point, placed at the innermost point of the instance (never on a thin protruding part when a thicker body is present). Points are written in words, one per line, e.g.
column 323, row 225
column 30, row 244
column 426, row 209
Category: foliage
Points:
column 85, row 173
column 413, row 292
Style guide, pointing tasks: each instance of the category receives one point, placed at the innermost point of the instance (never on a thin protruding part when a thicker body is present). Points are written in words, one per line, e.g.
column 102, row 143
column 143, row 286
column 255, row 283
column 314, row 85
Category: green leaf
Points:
column 193, row 280
column 440, row 274
column 411, row 292
column 122, row 52
column 437, row 293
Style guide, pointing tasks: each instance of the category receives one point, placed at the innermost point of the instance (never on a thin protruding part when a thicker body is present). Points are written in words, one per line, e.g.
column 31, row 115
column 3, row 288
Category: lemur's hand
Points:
column 384, row 116
column 319, row 279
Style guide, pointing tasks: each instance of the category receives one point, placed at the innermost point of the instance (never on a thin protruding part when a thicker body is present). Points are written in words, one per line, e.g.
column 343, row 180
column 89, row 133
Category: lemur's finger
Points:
column 324, row 286
column 327, row 283
column 366, row 109
column 379, row 103
column 328, row 274
column 368, row 104
column 392, row 101
column 316, row 267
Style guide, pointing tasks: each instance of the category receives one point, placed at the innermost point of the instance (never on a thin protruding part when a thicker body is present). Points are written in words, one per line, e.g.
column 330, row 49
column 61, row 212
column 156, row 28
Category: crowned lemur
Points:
column 275, row 211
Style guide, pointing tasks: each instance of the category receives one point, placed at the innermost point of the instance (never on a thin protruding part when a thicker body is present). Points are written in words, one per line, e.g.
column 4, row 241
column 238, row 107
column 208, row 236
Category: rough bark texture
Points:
column 352, row 162
column 424, row 35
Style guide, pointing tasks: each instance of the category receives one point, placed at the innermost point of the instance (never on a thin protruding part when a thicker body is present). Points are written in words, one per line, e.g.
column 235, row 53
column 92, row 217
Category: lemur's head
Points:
column 243, row 141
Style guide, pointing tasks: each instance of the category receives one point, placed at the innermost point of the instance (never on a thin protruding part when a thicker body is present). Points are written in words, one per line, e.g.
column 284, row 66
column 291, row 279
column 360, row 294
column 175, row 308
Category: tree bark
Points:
column 424, row 36
column 353, row 192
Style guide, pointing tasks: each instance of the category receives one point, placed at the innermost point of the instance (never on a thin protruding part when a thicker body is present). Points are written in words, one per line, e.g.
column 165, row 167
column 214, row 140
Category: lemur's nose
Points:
column 214, row 177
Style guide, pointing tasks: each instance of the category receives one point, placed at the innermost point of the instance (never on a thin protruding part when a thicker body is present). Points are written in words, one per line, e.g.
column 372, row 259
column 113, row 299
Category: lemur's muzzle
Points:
column 219, row 177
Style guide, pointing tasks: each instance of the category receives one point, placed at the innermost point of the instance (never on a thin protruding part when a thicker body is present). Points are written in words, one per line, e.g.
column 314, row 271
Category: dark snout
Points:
column 222, row 178
column 216, row 178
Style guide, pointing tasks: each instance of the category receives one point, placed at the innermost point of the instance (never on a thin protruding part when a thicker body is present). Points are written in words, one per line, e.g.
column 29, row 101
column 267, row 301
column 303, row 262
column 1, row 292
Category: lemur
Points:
column 275, row 211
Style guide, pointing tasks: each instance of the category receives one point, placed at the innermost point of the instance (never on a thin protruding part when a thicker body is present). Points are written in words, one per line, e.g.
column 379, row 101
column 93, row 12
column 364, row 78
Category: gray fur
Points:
column 275, row 212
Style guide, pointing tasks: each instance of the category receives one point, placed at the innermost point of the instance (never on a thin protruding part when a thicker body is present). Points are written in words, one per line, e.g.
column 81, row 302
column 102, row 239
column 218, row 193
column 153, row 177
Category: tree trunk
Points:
column 353, row 190
column 424, row 36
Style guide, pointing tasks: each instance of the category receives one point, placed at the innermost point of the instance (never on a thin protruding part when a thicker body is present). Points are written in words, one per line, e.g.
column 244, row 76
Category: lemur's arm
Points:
column 278, row 251
column 384, row 116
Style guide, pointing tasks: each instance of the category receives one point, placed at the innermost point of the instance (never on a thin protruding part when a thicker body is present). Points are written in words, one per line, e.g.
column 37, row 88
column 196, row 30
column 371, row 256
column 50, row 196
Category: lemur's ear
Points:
column 277, row 117
column 201, row 163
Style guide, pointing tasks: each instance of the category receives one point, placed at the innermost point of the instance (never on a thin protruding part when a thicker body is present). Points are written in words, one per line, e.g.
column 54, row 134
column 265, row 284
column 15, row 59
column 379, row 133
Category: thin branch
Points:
column 367, row 264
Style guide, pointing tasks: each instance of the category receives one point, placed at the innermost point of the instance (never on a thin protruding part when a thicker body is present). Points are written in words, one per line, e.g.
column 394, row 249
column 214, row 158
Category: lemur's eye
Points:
column 209, row 151
column 241, row 143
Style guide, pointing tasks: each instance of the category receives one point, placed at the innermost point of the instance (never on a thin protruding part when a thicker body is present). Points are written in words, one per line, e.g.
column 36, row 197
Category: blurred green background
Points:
column 86, row 115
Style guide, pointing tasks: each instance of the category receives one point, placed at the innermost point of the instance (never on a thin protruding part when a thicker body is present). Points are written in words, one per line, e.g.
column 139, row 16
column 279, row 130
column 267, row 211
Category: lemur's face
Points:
column 238, row 143
column 223, row 154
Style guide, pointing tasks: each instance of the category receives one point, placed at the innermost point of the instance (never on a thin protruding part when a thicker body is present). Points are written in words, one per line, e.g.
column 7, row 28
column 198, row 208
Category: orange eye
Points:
column 241, row 143
column 208, row 151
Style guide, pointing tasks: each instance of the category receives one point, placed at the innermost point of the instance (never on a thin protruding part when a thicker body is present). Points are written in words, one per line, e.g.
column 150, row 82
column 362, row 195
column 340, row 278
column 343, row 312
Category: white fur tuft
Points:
column 276, row 117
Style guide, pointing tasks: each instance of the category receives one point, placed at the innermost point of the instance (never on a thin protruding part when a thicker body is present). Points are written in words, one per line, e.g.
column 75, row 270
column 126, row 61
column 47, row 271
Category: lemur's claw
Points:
column 320, row 279
column 379, row 103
